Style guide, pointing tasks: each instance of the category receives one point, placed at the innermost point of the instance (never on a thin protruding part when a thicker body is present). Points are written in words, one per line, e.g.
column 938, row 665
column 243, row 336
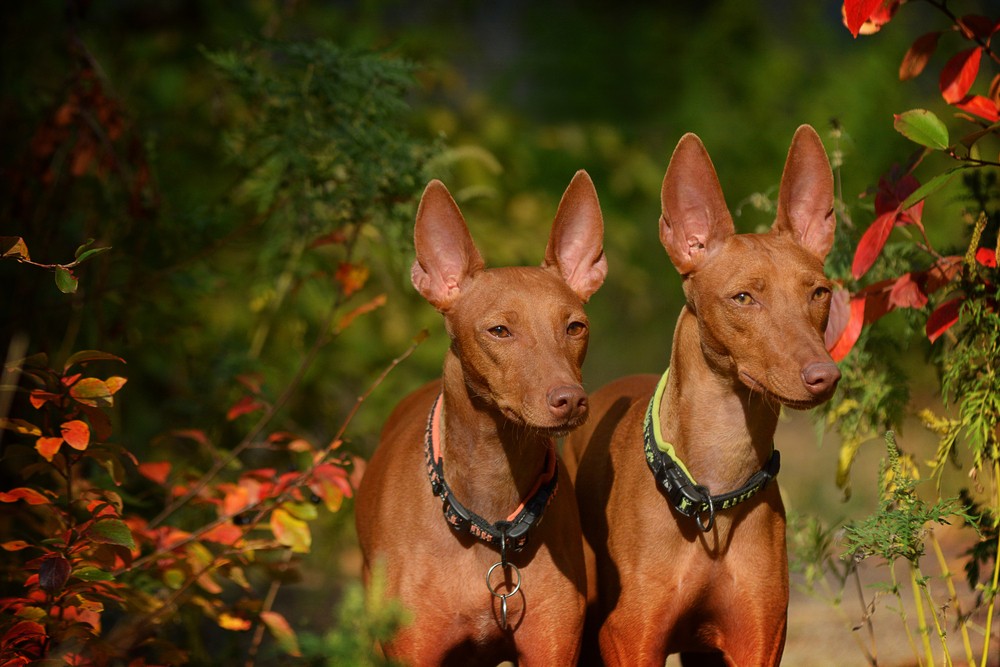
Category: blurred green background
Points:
column 509, row 99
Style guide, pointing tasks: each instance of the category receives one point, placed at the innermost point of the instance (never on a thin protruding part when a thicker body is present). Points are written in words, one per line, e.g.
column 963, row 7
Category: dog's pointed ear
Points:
column 805, row 200
column 446, row 256
column 576, row 243
column 695, row 220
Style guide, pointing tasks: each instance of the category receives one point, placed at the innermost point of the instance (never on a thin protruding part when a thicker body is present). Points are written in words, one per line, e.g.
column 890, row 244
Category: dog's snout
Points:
column 567, row 401
column 820, row 378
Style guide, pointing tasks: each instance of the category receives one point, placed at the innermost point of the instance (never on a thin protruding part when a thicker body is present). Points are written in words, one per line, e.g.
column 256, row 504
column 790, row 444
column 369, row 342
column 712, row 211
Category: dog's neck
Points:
column 490, row 463
column 720, row 429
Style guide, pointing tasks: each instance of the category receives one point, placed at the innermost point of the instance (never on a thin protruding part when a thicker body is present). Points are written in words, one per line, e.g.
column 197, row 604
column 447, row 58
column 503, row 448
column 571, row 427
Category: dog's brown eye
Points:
column 821, row 293
column 576, row 328
column 499, row 331
column 743, row 299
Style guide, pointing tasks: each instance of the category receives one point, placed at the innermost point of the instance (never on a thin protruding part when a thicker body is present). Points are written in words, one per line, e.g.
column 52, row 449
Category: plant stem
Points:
column 902, row 614
column 873, row 655
column 996, row 565
column 272, row 593
column 922, row 628
column 949, row 580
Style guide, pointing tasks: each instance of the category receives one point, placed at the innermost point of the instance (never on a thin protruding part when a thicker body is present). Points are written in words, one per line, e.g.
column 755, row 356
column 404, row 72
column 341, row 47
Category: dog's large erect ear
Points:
column 805, row 200
column 695, row 220
column 446, row 256
column 576, row 243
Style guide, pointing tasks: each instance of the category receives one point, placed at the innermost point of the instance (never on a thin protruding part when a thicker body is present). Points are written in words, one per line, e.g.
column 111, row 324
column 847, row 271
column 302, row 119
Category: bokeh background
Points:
column 510, row 98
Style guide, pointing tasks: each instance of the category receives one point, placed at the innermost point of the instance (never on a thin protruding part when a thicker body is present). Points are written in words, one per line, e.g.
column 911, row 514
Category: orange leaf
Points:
column 29, row 496
column 228, row 621
column 282, row 632
column 39, row 398
column 243, row 406
column 226, row 533
column 48, row 447
column 14, row 545
column 351, row 277
column 375, row 303
column 155, row 471
column 918, row 55
column 959, row 74
column 76, row 433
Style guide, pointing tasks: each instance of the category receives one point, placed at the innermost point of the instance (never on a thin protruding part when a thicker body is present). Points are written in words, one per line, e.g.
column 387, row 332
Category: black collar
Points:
column 511, row 533
column 687, row 497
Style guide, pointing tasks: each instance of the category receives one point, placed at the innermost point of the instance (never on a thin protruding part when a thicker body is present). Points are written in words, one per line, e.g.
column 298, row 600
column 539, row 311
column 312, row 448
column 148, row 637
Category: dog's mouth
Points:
column 796, row 404
column 556, row 430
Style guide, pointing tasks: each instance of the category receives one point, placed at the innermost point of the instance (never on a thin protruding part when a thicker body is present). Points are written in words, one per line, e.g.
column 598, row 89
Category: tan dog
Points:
column 687, row 529
column 478, row 444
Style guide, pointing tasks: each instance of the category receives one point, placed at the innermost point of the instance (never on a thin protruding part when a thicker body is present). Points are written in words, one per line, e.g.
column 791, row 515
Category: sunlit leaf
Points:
column 922, row 127
column 228, row 621
column 92, row 392
column 980, row 106
column 90, row 573
column 19, row 426
column 918, row 55
column 871, row 243
column 48, row 447
column 290, row 531
column 38, row 398
column 115, row 383
column 15, row 545
column 281, row 631
column 30, row 496
column 907, row 293
column 959, row 73
column 932, row 186
column 987, row 257
column 13, row 247
column 76, row 433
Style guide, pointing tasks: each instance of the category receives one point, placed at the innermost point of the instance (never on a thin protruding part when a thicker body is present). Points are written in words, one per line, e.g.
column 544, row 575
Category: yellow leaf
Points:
column 290, row 531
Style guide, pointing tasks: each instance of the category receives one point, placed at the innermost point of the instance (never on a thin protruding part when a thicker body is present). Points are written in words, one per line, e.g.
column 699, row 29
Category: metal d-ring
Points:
column 705, row 527
column 503, row 596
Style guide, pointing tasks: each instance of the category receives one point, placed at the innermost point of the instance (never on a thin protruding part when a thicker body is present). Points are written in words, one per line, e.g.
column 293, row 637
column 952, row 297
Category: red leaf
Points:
column 374, row 304
column 943, row 318
column 959, row 74
column 155, row 471
column 192, row 434
column 857, row 12
column 14, row 545
column 76, row 433
column 942, row 273
column 243, row 406
column 987, row 257
column 53, row 573
column 252, row 382
column 918, row 56
column 48, row 447
column 29, row 496
column 840, row 314
column 871, row 243
column 906, row 293
column 980, row 106
column 335, row 237
column 226, row 533
column 852, row 331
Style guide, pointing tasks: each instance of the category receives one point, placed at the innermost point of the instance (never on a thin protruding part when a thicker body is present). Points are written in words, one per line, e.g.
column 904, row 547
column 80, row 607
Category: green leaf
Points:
column 90, row 355
column 282, row 631
column 86, row 244
column 923, row 127
column 90, row 253
column 90, row 573
column 112, row 531
column 932, row 186
column 92, row 392
column 65, row 280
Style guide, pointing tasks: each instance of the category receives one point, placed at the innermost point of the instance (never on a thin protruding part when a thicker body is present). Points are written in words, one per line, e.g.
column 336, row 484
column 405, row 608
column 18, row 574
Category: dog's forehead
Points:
column 754, row 259
column 518, row 290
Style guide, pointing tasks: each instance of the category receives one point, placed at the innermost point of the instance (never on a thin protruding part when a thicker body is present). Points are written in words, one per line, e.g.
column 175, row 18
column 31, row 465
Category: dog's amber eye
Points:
column 576, row 328
column 821, row 293
column 743, row 299
column 499, row 331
